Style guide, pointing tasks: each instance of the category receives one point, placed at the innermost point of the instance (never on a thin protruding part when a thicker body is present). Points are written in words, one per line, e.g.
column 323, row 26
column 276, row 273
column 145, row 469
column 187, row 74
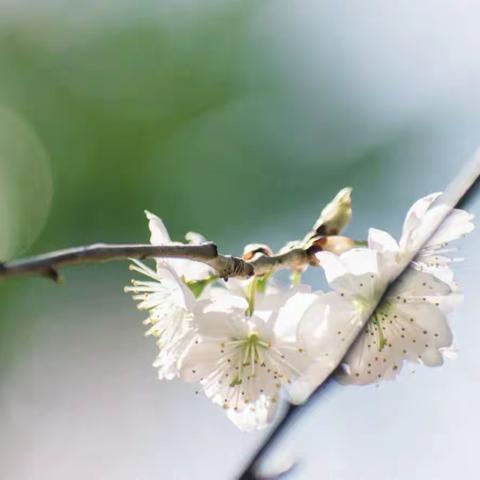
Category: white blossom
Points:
column 168, row 298
column 434, row 256
column 242, row 362
column 407, row 325
column 170, row 305
column 247, row 341
column 410, row 323
column 188, row 270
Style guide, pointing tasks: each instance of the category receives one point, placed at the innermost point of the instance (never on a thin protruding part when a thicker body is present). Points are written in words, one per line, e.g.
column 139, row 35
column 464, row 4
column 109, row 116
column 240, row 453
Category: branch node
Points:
column 53, row 274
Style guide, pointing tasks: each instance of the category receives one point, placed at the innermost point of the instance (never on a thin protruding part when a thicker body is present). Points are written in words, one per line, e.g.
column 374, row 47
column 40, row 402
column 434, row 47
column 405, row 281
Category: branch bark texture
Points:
column 48, row 264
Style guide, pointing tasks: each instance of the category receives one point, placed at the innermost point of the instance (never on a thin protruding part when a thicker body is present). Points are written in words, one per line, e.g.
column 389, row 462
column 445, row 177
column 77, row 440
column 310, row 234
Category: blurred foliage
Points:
column 181, row 113
column 25, row 184
column 110, row 102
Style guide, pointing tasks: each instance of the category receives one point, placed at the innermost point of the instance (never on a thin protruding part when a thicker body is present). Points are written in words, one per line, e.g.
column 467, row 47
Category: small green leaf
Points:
column 198, row 286
column 262, row 283
column 251, row 293
column 296, row 277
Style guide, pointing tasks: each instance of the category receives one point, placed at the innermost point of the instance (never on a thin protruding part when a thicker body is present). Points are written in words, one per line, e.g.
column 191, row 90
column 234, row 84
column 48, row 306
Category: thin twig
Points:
column 258, row 262
column 226, row 266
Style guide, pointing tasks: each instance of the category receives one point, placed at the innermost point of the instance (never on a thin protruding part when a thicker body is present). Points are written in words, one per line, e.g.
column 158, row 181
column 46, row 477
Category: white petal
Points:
column 312, row 377
column 166, row 282
column 429, row 319
column 416, row 284
column 213, row 324
column 327, row 330
column 188, row 269
column 457, row 224
column 332, row 265
column 199, row 361
column 290, row 314
column 447, row 303
column 167, row 274
column 256, row 416
column 382, row 241
column 359, row 261
column 222, row 300
column 195, row 238
column 346, row 272
column 415, row 214
column 320, row 326
column 170, row 356
column 416, row 332
column 158, row 232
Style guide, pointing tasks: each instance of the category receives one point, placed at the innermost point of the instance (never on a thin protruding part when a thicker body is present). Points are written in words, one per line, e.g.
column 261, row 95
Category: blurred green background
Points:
column 238, row 119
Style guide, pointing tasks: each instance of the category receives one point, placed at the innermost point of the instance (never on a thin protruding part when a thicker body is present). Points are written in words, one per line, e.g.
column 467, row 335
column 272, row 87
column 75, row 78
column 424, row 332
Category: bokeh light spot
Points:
column 25, row 184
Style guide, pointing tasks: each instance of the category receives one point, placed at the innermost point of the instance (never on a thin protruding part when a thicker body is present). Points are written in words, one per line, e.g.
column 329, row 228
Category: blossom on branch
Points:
column 243, row 361
column 433, row 257
column 170, row 305
column 248, row 342
column 186, row 269
column 167, row 297
column 408, row 325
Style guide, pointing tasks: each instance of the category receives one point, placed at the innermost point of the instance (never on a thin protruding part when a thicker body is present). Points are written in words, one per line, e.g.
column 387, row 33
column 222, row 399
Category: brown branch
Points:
column 226, row 266
column 334, row 216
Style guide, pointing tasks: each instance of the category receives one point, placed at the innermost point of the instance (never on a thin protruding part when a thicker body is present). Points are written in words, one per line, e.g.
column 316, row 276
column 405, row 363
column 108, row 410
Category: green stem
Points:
column 251, row 293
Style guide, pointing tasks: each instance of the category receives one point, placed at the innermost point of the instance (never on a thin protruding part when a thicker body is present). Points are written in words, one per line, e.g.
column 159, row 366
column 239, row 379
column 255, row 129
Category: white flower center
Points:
column 249, row 368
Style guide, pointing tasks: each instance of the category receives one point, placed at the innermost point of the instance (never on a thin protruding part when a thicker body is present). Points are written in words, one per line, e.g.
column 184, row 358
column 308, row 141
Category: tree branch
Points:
column 333, row 218
column 226, row 266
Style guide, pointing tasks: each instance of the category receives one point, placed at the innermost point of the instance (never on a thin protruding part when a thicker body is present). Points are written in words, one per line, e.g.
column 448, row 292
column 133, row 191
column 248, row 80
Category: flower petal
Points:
column 344, row 273
column 417, row 284
column 256, row 416
column 416, row 332
column 158, row 232
column 456, row 225
column 199, row 361
column 218, row 324
column 414, row 216
column 382, row 241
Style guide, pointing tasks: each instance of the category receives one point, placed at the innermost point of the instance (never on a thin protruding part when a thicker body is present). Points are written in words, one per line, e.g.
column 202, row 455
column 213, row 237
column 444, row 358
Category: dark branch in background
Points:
column 460, row 191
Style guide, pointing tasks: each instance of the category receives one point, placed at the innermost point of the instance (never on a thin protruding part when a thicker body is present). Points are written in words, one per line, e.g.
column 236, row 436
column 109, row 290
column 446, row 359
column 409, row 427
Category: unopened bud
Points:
column 253, row 250
column 335, row 244
column 335, row 216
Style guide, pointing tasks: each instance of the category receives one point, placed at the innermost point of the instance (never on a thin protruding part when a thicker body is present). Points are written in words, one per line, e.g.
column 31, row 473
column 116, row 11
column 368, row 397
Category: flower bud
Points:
column 335, row 244
column 252, row 250
column 335, row 216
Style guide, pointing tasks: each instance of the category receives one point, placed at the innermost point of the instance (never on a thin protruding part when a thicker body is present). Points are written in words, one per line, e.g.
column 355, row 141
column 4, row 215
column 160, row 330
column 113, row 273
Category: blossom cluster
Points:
column 250, row 342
